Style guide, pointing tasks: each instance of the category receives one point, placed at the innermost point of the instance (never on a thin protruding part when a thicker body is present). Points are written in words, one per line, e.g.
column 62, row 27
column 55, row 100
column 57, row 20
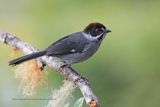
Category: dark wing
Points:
column 67, row 45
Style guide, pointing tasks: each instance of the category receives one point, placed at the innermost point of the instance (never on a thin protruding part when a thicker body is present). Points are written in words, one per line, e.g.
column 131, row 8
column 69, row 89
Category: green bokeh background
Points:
column 125, row 72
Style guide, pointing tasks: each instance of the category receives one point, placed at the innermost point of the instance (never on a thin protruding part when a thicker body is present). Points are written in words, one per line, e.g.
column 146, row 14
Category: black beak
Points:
column 107, row 31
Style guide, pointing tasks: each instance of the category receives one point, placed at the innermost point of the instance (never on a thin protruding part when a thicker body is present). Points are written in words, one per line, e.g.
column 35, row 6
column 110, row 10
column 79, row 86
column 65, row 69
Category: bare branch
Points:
column 56, row 64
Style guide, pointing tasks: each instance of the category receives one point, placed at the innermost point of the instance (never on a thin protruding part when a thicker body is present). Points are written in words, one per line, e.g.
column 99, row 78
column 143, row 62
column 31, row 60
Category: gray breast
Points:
column 79, row 57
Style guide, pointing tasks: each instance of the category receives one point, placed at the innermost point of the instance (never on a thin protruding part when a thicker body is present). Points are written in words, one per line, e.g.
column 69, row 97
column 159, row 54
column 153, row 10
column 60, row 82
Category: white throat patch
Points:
column 88, row 36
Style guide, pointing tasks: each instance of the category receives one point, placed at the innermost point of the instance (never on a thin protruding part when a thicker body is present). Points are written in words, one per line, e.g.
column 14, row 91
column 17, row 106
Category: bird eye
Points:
column 96, row 32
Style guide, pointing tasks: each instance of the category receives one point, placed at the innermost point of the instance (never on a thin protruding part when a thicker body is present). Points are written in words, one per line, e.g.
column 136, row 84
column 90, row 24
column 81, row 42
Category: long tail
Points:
column 27, row 57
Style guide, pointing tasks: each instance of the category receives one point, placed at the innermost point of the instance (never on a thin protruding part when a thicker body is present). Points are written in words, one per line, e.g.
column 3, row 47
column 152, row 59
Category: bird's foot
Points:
column 82, row 79
column 63, row 66
column 42, row 67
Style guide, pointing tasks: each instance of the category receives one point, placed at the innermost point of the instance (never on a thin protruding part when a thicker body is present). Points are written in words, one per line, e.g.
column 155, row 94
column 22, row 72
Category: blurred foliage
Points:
column 79, row 102
column 125, row 72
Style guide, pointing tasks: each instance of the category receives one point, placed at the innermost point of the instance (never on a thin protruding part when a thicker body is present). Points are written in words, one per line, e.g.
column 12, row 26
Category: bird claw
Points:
column 42, row 67
column 63, row 66
column 81, row 79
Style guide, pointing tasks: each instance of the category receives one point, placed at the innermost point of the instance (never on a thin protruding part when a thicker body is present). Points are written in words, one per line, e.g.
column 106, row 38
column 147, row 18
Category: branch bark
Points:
column 56, row 64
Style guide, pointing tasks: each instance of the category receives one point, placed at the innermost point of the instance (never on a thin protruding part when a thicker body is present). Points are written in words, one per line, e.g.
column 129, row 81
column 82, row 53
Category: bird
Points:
column 74, row 48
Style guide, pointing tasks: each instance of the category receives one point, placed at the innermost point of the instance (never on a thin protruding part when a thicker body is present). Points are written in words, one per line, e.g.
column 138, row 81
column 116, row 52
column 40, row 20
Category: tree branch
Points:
column 56, row 64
